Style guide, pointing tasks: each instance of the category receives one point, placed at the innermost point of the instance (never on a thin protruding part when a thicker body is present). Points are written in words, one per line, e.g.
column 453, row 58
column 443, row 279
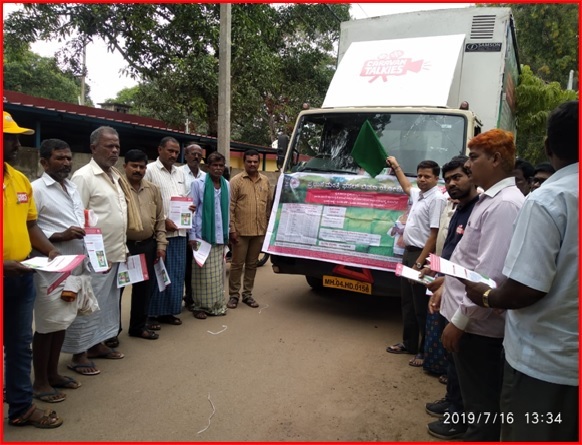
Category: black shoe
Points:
column 438, row 408
column 446, row 431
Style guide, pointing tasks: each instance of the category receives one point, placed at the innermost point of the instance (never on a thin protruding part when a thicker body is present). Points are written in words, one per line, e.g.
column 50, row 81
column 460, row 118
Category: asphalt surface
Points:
column 304, row 366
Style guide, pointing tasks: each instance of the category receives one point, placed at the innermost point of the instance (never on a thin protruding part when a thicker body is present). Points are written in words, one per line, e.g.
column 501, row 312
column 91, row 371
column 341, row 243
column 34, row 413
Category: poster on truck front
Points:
column 354, row 220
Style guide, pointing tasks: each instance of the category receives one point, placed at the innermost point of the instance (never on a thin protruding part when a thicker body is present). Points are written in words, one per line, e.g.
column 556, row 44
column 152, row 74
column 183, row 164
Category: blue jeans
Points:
column 19, row 297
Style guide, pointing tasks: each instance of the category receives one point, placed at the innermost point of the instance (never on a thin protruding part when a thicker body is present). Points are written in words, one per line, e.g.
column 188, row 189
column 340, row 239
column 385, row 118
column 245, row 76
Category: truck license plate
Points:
column 347, row 284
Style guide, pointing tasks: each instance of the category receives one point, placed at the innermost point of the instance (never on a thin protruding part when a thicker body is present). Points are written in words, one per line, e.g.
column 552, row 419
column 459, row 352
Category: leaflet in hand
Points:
column 61, row 263
column 96, row 249
column 161, row 275
column 446, row 267
column 201, row 251
column 132, row 271
column 411, row 274
column 180, row 212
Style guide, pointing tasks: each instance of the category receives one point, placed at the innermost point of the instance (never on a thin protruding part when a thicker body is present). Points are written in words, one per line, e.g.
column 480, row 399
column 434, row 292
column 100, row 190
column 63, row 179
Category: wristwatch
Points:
column 419, row 265
column 486, row 298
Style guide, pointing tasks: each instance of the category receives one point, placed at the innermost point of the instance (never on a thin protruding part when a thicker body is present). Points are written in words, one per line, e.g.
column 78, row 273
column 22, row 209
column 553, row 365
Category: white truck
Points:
column 407, row 75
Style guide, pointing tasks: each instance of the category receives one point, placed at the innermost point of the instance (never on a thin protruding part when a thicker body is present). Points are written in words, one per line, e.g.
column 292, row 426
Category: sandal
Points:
column 250, row 301
column 232, row 303
column 48, row 419
column 443, row 379
column 153, row 325
column 147, row 334
column 200, row 315
column 398, row 348
column 170, row 319
column 417, row 361
column 112, row 342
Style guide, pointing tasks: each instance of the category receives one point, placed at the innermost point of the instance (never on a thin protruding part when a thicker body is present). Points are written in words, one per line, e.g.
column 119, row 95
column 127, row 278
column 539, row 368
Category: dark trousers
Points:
column 453, row 396
column 141, row 292
column 18, row 302
column 414, row 304
column 530, row 400
column 188, row 276
column 480, row 371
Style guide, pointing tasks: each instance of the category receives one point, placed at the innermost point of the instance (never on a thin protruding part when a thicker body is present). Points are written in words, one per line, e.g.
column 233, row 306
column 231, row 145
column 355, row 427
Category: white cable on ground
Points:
column 219, row 332
column 213, row 411
column 263, row 308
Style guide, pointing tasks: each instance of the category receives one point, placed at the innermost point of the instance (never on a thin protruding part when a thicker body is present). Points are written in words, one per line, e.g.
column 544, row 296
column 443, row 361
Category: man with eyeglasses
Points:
column 192, row 156
column 542, row 172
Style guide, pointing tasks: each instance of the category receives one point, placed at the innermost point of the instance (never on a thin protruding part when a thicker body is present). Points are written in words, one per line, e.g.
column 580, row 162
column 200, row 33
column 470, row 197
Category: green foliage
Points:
column 535, row 99
column 29, row 73
column 547, row 35
column 281, row 56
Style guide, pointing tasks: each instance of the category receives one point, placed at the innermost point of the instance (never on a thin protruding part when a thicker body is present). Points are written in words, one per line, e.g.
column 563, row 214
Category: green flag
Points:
column 368, row 151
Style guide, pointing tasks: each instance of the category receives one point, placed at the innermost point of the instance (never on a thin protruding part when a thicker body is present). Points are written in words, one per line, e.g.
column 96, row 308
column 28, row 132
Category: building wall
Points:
column 29, row 164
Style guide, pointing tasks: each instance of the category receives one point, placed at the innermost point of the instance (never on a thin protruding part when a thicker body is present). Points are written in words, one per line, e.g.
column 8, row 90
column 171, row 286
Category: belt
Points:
column 143, row 241
column 413, row 248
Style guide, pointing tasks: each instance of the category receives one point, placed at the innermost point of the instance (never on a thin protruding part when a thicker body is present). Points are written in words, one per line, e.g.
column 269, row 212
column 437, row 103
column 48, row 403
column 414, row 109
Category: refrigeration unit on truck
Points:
column 405, row 75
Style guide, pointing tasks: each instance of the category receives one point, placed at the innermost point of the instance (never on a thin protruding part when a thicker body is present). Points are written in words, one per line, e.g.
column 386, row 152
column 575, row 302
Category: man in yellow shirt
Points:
column 21, row 234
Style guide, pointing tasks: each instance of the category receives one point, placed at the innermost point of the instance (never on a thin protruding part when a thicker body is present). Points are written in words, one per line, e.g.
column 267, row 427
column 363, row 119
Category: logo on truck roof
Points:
column 392, row 64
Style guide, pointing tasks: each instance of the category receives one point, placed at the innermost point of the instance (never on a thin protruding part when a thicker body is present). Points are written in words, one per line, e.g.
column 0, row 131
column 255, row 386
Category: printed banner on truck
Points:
column 354, row 220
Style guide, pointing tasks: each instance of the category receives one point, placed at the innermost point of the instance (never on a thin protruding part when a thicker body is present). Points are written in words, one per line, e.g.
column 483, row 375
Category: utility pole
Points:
column 224, row 82
column 83, row 74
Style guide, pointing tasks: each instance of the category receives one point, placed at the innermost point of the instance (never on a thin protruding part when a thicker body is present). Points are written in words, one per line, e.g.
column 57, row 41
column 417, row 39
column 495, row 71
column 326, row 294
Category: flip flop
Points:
column 67, row 383
column 80, row 366
column 112, row 354
column 417, row 361
column 53, row 396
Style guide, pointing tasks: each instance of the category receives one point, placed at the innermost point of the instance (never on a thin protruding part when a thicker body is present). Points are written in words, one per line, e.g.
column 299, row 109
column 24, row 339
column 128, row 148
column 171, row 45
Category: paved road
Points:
column 303, row 367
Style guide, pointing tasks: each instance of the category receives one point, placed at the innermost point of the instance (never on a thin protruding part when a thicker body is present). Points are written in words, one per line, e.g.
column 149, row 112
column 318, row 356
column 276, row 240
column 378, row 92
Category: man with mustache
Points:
column 21, row 234
column 61, row 218
column 193, row 154
column 420, row 234
column 151, row 241
column 164, row 306
column 99, row 185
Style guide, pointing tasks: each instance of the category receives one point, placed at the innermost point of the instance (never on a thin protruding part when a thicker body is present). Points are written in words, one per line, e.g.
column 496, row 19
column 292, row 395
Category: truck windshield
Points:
column 323, row 142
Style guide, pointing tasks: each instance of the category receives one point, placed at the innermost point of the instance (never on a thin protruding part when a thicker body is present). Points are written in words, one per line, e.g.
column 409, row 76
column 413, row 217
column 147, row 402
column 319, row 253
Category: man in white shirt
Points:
column 101, row 192
column 164, row 306
column 193, row 155
column 540, row 380
column 61, row 218
column 420, row 235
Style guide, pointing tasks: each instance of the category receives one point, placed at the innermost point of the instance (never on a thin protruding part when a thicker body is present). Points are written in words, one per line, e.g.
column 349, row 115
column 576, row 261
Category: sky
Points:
column 104, row 68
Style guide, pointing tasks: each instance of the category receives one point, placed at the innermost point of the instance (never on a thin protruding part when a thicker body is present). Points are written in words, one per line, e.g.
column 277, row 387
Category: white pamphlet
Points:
column 447, row 267
column 201, row 251
column 132, row 271
column 96, row 249
column 161, row 275
column 61, row 263
column 411, row 274
column 180, row 212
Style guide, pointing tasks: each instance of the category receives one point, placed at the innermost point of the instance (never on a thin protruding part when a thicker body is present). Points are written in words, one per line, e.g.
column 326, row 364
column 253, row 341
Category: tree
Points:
column 281, row 56
column 536, row 98
column 547, row 35
column 29, row 73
